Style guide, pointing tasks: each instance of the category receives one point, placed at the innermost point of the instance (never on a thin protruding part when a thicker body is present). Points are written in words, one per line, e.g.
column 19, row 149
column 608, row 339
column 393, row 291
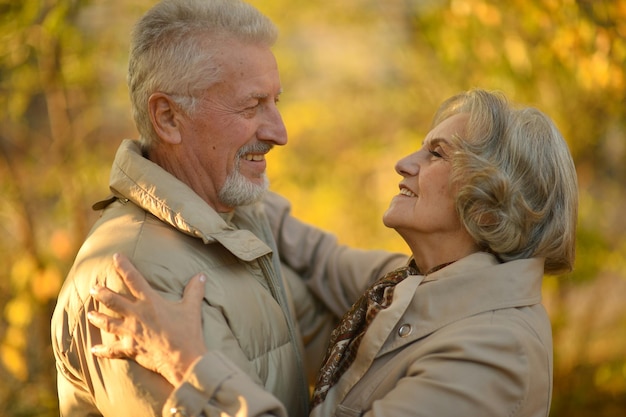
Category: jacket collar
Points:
column 156, row 191
column 472, row 285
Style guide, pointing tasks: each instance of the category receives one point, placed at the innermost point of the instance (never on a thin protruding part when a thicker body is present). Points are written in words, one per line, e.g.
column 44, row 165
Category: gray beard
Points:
column 238, row 191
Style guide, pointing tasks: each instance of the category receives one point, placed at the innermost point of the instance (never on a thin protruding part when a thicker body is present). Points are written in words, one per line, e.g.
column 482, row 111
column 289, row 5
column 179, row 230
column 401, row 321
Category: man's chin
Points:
column 243, row 193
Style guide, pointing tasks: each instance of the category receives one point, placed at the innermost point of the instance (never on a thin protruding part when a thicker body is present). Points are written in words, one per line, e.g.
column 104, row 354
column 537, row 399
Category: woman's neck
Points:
column 431, row 256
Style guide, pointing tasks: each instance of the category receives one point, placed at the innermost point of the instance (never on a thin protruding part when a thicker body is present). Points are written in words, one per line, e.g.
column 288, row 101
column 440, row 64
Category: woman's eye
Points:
column 435, row 153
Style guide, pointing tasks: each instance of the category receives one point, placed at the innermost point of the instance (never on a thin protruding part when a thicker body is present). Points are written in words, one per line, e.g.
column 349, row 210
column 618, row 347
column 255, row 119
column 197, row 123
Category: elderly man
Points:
column 188, row 197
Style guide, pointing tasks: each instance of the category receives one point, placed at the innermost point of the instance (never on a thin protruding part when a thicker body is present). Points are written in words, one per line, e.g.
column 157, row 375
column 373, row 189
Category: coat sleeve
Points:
column 120, row 384
column 336, row 273
column 214, row 386
column 88, row 385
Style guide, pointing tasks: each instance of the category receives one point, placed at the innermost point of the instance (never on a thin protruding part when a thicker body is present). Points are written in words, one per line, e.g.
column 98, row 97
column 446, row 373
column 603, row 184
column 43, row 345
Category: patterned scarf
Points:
column 346, row 337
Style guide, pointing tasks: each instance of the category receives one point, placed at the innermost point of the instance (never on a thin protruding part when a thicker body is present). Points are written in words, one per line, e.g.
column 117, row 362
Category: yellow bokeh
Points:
column 46, row 284
column 19, row 311
column 23, row 269
column 13, row 360
column 361, row 81
column 61, row 244
column 15, row 337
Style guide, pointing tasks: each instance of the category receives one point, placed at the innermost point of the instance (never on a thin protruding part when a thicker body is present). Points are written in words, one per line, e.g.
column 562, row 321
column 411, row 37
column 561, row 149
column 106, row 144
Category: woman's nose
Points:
column 408, row 166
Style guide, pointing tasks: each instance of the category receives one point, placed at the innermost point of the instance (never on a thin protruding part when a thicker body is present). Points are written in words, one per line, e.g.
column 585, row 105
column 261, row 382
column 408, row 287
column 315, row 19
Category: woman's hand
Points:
column 160, row 335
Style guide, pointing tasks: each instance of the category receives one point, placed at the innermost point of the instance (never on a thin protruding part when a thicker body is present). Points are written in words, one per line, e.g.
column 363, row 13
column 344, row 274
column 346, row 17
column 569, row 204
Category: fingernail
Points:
column 202, row 278
column 116, row 256
column 95, row 289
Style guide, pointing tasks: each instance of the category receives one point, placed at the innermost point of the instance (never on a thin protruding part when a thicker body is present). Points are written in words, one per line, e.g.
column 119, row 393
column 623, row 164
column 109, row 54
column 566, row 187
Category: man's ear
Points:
column 165, row 117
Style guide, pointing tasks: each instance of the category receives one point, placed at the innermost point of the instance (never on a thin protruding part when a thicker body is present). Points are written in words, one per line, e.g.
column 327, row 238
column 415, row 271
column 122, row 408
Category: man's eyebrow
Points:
column 259, row 95
column 264, row 95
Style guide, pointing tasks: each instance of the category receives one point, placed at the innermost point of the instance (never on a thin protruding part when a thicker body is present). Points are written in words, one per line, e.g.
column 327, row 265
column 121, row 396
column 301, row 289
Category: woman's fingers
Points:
column 135, row 282
column 116, row 350
column 133, row 279
column 112, row 300
column 161, row 335
column 194, row 292
column 107, row 323
column 120, row 349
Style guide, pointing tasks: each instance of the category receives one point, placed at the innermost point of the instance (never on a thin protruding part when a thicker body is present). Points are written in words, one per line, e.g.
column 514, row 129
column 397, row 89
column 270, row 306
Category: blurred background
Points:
column 362, row 79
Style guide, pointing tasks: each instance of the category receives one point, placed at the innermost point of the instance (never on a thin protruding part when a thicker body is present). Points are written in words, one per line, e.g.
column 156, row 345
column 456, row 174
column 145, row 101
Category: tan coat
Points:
column 252, row 314
column 469, row 340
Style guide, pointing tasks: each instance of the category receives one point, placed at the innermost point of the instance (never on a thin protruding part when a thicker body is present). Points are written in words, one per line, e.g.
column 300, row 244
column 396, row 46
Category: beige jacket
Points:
column 252, row 314
column 469, row 340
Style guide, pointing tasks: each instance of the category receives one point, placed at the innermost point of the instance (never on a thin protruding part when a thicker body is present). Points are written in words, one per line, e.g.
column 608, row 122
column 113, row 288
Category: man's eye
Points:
column 250, row 110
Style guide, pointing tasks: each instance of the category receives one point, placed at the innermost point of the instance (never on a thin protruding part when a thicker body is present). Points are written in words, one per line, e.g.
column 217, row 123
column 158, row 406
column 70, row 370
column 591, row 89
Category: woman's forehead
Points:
column 453, row 126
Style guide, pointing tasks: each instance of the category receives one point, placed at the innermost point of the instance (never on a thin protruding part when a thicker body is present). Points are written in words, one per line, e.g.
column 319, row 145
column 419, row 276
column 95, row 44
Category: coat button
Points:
column 404, row 330
column 178, row 412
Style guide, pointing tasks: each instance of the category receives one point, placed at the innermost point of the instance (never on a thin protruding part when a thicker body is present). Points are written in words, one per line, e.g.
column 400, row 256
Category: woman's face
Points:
column 424, row 213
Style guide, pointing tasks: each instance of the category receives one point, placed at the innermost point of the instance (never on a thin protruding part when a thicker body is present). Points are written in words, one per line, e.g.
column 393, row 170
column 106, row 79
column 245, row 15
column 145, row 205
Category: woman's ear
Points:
column 165, row 117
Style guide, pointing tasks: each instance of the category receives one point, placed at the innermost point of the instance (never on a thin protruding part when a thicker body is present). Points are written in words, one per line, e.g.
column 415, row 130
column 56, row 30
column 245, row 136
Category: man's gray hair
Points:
column 173, row 46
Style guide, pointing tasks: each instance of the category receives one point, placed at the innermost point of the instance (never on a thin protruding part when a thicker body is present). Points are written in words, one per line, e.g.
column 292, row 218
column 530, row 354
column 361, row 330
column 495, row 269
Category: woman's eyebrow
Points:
column 436, row 141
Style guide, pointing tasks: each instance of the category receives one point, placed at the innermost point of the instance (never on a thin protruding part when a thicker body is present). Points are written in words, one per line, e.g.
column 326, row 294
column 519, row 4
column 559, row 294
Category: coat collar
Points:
column 472, row 285
column 156, row 191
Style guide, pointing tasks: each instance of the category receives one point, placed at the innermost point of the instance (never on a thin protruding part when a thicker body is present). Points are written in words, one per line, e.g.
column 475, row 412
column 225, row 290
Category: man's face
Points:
column 236, row 122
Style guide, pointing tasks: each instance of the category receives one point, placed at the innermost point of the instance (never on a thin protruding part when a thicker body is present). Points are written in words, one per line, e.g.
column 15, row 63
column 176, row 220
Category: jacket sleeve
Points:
column 119, row 384
column 88, row 385
column 336, row 273
column 214, row 386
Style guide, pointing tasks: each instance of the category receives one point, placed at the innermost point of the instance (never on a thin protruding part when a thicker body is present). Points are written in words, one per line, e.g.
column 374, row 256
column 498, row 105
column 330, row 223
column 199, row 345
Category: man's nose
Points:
column 273, row 128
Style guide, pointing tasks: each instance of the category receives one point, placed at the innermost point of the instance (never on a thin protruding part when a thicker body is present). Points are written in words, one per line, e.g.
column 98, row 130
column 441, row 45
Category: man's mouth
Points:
column 254, row 152
column 254, row 157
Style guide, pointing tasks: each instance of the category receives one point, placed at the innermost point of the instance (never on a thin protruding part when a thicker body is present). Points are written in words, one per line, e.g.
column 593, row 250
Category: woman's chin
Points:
column 393, row 214
column 389, row 219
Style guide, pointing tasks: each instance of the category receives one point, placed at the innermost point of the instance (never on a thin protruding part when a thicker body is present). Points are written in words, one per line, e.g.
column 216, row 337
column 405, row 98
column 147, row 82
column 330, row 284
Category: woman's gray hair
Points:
column 173, row 46
column 516, row 180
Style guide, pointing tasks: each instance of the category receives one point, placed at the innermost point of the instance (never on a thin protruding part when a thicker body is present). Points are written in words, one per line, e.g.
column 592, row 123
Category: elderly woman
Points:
column 487, row 205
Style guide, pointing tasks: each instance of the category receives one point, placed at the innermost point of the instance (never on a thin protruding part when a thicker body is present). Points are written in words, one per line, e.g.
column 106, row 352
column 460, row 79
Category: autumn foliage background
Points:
column 361, row 81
